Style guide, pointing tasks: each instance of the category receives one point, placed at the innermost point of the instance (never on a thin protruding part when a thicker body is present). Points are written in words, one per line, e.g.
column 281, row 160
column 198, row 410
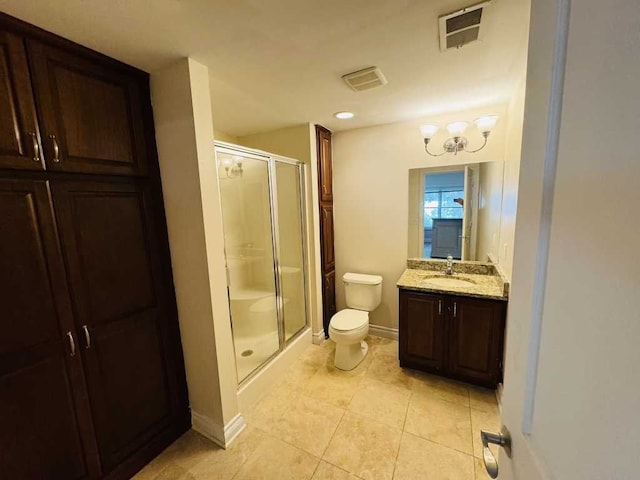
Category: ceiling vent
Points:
column 462, row 27
column 365, row 79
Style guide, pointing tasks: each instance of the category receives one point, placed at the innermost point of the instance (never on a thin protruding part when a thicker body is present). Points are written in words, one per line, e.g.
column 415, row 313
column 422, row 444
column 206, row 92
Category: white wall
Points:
column 512, row 156
column 184, row 133
column 489, row 210
column 224, row 136
column 294, row 142
column 371, row 176
column 299, row 142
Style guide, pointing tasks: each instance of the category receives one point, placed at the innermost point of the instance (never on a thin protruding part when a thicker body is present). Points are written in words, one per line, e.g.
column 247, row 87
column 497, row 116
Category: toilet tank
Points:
column 362, row 292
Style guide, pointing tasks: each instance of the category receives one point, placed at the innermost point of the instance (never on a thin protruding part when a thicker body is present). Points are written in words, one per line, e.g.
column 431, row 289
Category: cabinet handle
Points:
column 455, row 309
column 72, row 345
column 56, row 149
column 439, row 307
column 36, row 146
column 87, row 337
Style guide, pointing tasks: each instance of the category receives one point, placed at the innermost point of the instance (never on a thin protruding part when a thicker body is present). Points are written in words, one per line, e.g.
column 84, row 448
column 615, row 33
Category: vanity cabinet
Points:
column 454, row 336
column 421, row 318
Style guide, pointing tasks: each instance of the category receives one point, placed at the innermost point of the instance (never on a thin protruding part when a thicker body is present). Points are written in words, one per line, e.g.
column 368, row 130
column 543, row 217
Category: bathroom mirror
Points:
column 455, row 210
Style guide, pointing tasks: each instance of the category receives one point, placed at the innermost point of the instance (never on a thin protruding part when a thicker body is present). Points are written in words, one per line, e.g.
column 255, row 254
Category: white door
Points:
column 572, row 384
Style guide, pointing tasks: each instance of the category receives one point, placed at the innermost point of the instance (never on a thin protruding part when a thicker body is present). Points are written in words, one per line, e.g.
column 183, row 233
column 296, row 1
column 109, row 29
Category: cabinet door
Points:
column 90, row 113
column 476, row 334
column 328, row 299
column 326, row 230
column 422, row 330
column 20, row 146
column 130, row 353
column 44, row 414
column 325, row 164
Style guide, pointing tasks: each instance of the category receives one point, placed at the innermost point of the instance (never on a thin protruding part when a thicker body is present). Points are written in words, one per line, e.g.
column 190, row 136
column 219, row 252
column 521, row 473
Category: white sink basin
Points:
column 445, row 281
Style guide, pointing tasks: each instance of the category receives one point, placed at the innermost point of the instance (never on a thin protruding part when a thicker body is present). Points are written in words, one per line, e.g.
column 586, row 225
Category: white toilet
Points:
column 350, row 326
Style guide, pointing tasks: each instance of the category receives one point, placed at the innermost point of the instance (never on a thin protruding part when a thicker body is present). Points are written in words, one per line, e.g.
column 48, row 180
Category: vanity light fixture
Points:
column 457, row 143
column 344, row 115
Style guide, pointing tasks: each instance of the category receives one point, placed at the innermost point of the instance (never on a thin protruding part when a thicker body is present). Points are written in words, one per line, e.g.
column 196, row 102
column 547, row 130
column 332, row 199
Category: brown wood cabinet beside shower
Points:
column 325, row 194
column 92, row 381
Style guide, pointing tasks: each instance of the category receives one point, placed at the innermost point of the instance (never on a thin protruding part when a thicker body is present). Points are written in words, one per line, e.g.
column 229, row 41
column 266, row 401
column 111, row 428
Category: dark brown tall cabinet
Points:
column 325, row 194
column 92, row 379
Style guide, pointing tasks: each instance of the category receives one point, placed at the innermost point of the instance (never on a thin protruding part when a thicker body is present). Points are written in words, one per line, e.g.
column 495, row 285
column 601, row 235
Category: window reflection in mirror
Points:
column 455, row 210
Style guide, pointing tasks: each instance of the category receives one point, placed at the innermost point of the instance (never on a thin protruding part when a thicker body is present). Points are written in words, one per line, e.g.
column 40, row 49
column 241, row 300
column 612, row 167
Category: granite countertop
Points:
column 488, row 282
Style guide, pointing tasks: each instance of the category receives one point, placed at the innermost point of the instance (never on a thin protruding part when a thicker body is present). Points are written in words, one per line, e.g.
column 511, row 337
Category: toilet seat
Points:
column 349, row 319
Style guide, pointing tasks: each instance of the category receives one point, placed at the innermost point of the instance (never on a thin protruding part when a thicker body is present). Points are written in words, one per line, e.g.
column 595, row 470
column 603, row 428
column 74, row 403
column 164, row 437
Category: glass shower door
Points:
column 291, row 244
column 248, row 235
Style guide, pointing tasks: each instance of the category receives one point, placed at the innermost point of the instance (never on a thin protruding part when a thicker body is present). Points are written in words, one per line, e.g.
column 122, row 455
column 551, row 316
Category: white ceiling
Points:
column 275, row 63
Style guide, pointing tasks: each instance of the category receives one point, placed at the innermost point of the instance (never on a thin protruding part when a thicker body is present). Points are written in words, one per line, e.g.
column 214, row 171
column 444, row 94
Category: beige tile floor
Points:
column 319, row 423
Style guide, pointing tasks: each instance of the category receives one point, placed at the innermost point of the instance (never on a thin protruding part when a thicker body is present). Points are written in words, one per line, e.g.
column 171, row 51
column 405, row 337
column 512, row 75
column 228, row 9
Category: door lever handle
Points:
column 502, row 439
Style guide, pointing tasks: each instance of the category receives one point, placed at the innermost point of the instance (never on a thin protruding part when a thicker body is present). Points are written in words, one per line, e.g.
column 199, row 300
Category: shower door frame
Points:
column 303, row 238
column 271, row 160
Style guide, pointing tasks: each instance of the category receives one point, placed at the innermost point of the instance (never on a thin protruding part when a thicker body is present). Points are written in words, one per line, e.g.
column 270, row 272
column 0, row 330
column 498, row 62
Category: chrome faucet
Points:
column 449, row 269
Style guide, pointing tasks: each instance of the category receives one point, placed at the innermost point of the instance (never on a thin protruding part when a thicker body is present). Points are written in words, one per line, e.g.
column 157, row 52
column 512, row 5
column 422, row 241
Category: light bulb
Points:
column 486, row 122
column 226, row 162
column 429, row 130
column 344, row 115
column 457, row 128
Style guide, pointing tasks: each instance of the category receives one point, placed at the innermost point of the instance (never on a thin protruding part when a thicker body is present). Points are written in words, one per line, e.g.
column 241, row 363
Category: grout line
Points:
column 395, row 461
column 406, row 413
column 442, row 445
column 473, row 446
column 315, row 469
column 341, row 468
column 332, row 435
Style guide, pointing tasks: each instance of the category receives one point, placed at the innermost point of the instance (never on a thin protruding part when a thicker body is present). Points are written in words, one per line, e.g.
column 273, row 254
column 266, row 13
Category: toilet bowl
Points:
column 349, row 327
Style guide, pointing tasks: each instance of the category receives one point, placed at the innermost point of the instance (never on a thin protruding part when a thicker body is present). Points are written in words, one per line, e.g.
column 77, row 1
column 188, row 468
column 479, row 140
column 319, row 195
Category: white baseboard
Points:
column 384, row 332
column 215, row 432
column 318, row 338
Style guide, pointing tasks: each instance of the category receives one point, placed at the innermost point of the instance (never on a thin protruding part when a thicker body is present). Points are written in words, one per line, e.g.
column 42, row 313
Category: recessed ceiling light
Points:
column 344, row 115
